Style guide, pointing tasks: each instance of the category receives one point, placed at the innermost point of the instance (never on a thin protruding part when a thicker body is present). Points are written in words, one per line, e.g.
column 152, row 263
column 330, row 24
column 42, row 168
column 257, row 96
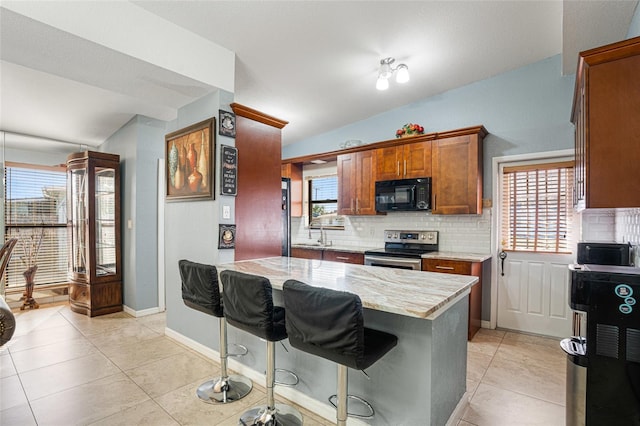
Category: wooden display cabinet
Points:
column 93, row 222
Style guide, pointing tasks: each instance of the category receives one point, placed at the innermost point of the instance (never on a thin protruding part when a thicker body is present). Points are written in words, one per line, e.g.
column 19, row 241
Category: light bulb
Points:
column 382, row 83
column 402, row 75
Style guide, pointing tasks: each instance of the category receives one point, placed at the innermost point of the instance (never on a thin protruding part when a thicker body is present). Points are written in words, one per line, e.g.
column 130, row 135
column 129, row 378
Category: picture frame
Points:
column 226, row 123
column 227, row 238
column 228, row 170
column 190, row 156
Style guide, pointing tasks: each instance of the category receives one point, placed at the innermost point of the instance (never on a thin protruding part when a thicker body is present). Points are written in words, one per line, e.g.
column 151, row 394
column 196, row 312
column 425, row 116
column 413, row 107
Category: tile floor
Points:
column 62, row 368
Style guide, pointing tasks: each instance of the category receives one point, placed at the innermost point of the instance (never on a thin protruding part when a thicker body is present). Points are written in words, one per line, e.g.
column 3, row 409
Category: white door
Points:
column 536, row 232
column 533, row 293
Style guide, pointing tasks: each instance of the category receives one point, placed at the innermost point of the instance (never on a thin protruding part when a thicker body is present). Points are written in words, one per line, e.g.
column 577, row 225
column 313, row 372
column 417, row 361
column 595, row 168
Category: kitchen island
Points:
column 422, row 381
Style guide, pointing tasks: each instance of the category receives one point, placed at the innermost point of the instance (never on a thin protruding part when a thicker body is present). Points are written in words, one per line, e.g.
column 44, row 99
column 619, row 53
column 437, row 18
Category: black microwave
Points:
column 601, row 253
column 403, row 195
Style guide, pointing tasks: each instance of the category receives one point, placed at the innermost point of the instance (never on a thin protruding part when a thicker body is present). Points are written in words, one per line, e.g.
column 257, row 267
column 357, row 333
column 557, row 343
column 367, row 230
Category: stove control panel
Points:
column 413, row 237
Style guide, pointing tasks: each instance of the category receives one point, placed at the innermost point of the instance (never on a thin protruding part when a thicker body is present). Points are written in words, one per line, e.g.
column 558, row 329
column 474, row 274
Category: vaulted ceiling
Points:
column 77, row 71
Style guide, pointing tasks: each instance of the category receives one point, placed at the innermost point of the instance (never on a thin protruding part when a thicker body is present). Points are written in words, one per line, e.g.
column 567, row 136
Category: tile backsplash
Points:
column 619, row 225
column 460, row 233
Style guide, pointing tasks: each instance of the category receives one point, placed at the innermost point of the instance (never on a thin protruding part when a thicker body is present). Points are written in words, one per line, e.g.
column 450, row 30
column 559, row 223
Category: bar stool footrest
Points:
column 369, row 415
column 283, row 382
column 242, row 350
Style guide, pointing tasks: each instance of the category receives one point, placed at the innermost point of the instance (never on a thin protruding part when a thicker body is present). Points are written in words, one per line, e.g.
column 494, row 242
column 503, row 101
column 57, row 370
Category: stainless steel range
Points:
column 403, row 249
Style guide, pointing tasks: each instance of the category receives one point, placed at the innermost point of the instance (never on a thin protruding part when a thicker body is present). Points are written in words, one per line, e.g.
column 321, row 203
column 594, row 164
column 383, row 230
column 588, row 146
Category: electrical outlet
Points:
column 226, row 212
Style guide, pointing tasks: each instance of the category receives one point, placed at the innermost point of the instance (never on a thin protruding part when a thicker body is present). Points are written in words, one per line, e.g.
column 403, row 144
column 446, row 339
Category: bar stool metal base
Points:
column 217, row 391
column 283, row 415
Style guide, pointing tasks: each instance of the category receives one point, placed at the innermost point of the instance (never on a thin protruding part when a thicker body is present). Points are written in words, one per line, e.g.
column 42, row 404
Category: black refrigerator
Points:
column 286, row 217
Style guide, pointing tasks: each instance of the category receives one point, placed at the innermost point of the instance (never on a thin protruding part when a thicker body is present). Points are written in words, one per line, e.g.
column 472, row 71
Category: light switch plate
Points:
column 226, row 212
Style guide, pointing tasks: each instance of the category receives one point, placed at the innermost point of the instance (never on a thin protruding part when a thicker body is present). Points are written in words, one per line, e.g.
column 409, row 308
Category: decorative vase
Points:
column 195, row 179
column 173, row 162
column 179, row 178
column 192, row 157
column 202, row 164
column 29, row 301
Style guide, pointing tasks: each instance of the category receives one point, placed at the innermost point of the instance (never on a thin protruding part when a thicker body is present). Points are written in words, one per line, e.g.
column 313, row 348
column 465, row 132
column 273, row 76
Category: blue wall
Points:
column 634, row 28
column 525, row 110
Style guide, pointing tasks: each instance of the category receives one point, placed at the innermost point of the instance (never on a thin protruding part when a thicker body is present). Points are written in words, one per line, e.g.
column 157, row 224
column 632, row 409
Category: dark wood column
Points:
column 258, row 206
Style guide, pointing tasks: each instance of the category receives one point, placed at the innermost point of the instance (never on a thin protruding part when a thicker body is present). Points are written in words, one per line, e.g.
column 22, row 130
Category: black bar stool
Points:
column 330, row 324
column 248, row 305
column 201, row 292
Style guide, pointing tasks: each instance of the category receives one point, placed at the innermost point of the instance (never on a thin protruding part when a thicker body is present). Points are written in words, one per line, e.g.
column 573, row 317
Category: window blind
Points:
column 323, row 201
column 35, row 213
column 536, row 207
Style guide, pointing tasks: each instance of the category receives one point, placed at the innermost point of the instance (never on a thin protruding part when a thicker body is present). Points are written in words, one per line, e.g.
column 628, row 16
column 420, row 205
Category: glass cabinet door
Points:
column 77, row 196
column 105, row 221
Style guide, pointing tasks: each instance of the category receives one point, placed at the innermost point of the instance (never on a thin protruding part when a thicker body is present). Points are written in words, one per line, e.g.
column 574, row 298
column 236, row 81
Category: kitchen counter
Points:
column 427, row 311
column 411, row 293
column 447, row 255
column 452, row 255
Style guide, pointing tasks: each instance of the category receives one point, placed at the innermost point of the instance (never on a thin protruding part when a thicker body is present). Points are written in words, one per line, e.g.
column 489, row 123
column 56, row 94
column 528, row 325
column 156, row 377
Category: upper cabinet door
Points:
column 356, row 183
column 388, row 163
column 417, row 160
column 457, row 175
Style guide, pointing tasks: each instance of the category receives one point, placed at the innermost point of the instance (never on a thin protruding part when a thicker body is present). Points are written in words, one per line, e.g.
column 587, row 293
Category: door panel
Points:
column 533, row 294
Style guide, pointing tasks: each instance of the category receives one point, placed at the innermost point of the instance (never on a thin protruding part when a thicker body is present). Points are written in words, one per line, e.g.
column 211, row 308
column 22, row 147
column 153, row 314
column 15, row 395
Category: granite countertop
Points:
column 412, row 293
column 452, row 255
column 445, row 255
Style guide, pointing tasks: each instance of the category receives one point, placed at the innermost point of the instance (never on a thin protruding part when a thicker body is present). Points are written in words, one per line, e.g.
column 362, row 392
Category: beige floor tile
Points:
column 542, row 383
column 533, row 339
column 6, row 365
column 102, row 324
column 20, row 415
column 89, row 402
column 491, row 406
column 156, row 322
column 147, row 351
column 11, row 393
column 484, row 343
column 145, row 413
column 543, row 356
column 463, row 423
column 110, row 342
column 472, row 385
column 491, row 332
column 39, row 319
column 42, row 337
column 64, row 375
column 477, row 364
column 183, row 405
column 167, row 374
column 42, row 356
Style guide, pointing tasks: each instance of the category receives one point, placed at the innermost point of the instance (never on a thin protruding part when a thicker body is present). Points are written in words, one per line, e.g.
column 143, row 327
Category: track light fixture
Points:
column 387, row 70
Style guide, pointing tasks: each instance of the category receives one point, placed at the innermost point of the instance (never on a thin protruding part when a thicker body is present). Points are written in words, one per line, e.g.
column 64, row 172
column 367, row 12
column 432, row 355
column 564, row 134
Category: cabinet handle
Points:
column 351, row 206
column 342, row 258
column 357, row 206
column 448, row 268
column 397, row 168
column 405, row 168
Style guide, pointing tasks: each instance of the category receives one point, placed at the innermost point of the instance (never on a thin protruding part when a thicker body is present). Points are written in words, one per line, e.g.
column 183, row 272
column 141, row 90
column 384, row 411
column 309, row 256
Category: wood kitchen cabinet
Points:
column 356, row 183
column 343, row 256
column 606, row 107
column 331, row 255
column 409, row 161
column 304, row 253
column 293, row 171
column 457, row 174
column 475, row 296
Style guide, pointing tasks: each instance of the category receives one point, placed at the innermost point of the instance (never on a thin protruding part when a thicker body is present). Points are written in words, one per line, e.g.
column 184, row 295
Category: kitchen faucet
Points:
column 322, row 239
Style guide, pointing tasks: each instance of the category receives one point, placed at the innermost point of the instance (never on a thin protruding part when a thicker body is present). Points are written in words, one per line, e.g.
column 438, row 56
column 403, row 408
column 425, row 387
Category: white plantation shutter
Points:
column 35, row 205
column 536, row 209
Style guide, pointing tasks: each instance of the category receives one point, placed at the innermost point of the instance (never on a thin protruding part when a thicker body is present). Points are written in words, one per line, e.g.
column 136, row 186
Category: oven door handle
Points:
column 394, row 261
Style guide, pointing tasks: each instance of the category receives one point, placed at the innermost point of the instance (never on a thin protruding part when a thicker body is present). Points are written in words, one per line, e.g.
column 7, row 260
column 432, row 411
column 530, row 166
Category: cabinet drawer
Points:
column 306, row 253
column 447, row 266
column 344, row 257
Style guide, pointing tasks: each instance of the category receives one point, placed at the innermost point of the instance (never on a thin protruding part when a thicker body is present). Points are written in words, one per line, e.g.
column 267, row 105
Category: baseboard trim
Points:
column 321, row 409
column 142, row 313
column 458, row 412
column 485, row 324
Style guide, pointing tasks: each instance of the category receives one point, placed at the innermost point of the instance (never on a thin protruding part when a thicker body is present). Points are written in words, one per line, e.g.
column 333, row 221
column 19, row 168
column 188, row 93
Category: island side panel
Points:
column 449, row 361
